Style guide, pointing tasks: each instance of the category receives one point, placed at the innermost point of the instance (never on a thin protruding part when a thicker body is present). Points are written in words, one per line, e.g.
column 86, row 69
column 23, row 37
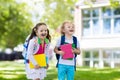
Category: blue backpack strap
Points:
column 62, row 40
column 75, row 42
column 61, row 43
column 26, row 48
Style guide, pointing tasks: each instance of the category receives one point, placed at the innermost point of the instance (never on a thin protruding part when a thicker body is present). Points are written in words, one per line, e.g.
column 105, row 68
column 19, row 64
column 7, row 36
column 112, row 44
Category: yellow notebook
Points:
column 40, row 59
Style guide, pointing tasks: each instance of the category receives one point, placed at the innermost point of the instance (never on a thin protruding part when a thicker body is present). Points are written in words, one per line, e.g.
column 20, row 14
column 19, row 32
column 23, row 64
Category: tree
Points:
column 57, row 11
column 15, row 23
column 115, row 3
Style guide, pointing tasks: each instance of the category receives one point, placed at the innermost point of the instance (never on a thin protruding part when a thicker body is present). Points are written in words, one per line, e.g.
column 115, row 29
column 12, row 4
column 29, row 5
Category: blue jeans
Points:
column 65, row 71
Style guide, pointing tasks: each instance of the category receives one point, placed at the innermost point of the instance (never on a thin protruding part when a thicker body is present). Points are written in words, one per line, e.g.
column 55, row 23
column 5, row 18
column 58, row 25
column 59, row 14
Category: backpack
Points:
column 63, row 42
column 25, row 48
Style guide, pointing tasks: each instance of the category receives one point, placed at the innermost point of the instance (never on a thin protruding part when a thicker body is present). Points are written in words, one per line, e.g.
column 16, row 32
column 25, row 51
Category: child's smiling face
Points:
column 69, row 28
column 42, row 31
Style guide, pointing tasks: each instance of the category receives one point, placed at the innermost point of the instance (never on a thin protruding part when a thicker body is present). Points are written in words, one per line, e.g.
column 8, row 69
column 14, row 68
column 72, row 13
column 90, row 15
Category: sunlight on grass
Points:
column 7, row 68
column 6, row 72
column 103, row 72
column 116, row 79
column 9, row 76
column 84, row 69
column 14, row 70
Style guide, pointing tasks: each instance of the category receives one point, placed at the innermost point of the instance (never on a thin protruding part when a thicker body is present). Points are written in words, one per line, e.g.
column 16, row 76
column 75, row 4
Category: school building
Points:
column 98, row 30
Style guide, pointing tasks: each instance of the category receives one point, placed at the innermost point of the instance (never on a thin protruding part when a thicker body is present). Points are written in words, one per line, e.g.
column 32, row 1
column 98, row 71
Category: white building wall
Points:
column 100, row 43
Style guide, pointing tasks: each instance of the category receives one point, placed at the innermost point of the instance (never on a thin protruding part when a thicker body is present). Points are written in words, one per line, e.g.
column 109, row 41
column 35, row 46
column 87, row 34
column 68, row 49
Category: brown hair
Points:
column 63, row 26
column 33, row 33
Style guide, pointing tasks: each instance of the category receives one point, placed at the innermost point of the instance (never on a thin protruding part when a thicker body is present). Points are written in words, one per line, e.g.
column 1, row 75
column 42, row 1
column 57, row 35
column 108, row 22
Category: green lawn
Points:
column 15, row 71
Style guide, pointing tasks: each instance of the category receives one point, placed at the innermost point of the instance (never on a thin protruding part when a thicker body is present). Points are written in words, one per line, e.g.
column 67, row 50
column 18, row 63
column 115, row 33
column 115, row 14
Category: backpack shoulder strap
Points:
column 75, row 41
column 24, row 53
column 61, row 43
column 62, row 40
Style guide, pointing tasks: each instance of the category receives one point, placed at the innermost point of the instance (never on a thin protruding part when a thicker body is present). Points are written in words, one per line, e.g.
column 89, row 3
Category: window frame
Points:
column 100, row 19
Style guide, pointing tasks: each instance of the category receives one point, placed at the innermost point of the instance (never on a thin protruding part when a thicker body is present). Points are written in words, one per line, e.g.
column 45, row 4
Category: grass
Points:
column 14, row 70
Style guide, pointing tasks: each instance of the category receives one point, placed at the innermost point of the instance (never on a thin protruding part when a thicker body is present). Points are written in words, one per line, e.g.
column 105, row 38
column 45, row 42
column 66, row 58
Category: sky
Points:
column 37, row 8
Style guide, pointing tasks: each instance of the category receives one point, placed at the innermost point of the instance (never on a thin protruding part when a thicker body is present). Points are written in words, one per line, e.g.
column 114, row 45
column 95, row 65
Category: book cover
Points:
column 40, row 59
column 67, row 49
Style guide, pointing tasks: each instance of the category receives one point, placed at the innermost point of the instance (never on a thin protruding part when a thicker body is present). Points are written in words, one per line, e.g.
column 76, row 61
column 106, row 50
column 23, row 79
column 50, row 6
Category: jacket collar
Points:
column 46, row 41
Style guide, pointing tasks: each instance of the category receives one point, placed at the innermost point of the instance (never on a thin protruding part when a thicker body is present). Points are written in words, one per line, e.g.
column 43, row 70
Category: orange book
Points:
column 40, row 59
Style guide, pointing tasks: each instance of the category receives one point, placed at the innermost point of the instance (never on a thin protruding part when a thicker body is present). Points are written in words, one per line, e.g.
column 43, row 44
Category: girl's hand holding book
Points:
column 61, row 52
column 37, row 66
column 47, row 66
column 75, row 51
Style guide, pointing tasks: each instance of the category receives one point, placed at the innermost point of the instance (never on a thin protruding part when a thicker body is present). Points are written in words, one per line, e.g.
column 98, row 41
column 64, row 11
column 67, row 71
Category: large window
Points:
column 91, row 22
column 90, row 57
column 109, row 58
column 86, row 22
column 101, row 21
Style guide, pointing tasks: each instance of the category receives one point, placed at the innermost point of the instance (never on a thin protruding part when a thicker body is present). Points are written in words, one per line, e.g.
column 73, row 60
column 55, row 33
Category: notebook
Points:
column 40, row 59
column 67, row 48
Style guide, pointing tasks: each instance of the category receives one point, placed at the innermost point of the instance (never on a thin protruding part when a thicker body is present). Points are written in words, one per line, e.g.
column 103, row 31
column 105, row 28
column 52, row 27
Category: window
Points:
column 90, row 21
column 101, row 21
column 86, row 58
column 107, row 54
column 116, row 54
column 109, row 58
column 86, row 29
column 117, row 11
column 86, row 63
column 95, row 54
column 117, row 25
column 86, row 13
column 86, row 54
column 86, row 22
column 106, row 26
column 96, row 27
column 106, row 12
column 90, row 56
column 95, row 12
